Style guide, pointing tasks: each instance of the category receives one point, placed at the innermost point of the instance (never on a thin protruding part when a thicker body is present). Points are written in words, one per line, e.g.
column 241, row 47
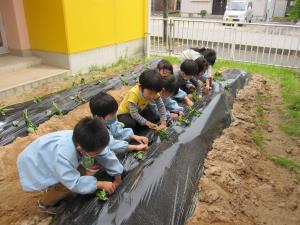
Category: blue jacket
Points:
column 53, row 159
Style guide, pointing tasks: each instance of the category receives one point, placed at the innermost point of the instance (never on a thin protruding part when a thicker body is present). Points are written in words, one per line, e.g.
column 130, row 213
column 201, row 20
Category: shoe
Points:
column 51, row 210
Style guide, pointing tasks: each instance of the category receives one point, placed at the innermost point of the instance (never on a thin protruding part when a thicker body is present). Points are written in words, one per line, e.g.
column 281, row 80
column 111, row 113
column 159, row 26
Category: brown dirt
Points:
column 16, row 206
column 240, row 184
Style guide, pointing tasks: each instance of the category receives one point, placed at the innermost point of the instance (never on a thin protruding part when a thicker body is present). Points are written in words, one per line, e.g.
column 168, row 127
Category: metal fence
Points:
column 270, row 44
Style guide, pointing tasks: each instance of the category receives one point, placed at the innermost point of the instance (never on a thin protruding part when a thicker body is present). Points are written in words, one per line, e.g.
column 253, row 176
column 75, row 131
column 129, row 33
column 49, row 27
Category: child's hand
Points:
column 189, row 102
column 174, row 116
column 151, row 125
column 181, row 113
column 163, row 125
column 107, row 186
column 141, row 147
column 190, row 86
column 117, row 181
column 141, row 139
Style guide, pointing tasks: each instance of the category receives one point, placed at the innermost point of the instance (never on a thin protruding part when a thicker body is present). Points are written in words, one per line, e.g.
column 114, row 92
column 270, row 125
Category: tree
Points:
column 295, row 12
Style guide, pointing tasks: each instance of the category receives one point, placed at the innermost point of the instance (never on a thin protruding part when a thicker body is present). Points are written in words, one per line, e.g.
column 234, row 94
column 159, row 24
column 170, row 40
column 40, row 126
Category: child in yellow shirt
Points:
column 134, row 111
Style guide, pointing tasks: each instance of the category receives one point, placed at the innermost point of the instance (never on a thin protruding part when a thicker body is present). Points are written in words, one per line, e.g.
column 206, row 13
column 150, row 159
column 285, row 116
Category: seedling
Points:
column 15, row 123
column 139, row 155
column 227, row 88
column 82, row 81
column 195, row 112
column 37, row 99
column 183, row 120
column 59, row 111
column 124, row 81
column 87, row 162
column 102, row 195
column 218, row 77
column 78, row 98
column 163, row 134
column 3, row 111
column 49, row 112
column 195, row 96
column 101, row 82
column 31, row 128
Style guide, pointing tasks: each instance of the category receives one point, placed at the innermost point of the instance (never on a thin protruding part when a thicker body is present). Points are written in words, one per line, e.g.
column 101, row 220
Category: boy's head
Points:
column 202, row 65
column 209, row 54
column 150, row 83
column 104, row 105
column 165, row 68
column 90, row 136
column 169, row 86
column 189, row 68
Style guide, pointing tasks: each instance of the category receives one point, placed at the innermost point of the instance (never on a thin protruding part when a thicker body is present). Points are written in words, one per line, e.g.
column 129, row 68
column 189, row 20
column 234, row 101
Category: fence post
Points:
column 234, row 29
column 170, row 36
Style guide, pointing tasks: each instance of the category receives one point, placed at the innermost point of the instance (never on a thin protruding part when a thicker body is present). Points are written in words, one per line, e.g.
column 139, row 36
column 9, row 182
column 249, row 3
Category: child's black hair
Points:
column 164, row 64
column 91, row 134
column 169, row 84
column 202, row 64
column 209, row 54
column 103, row 104
column 189, row 67
column 150, row 79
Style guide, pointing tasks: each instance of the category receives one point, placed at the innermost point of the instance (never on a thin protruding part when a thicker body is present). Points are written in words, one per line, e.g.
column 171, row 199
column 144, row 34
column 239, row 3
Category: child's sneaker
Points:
column 46, row 209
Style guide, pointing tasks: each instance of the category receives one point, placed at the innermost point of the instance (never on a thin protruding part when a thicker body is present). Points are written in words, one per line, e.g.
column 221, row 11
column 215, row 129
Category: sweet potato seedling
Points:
column 195, row 96
column 139, row 155
column 15, row 123
column 88, row 162
column 182, row 120
column 78, row 98
column 102, row 195
column 195, row 112
column 124, row 81
column 3, row 111
column 31, row 128
column 37, row 99
column 218, row 77
column 163, row 134
column 59, row 111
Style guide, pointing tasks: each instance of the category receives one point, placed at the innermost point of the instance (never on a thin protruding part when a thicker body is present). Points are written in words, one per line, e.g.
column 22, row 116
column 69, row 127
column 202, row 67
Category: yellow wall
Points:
column 45, row 23
column 70, row 26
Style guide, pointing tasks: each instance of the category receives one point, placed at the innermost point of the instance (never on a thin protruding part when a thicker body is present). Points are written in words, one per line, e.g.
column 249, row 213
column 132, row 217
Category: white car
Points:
column 238, row 11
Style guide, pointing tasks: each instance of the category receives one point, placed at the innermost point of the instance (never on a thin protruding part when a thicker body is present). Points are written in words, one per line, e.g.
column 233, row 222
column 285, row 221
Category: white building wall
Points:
column 195, row 6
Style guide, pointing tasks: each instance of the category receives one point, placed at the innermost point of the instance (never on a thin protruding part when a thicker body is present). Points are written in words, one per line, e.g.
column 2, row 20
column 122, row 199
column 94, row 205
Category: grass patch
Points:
column 258, row 138
column 290, row 89
column 288, row 164
column 172, row 59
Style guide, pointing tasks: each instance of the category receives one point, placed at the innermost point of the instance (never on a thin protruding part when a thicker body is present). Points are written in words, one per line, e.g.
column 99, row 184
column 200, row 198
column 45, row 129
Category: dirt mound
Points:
column 240, row 184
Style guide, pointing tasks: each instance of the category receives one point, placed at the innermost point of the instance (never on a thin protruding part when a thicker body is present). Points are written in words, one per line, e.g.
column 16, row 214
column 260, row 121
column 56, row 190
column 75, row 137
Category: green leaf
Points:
column 15, row 123
column 163, row 134
column 139, row 155
column 195, row 112
column 102, row 195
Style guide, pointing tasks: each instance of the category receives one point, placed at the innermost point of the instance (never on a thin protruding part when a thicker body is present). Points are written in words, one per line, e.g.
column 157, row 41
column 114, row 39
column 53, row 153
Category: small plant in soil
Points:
column 163, row 134
column 15, row 123
column 78, row 98
column 182, row 120
column 218, row 77
column 124, row 81
column 139, row 155
column 59, row 111
column 82, row 81
column 195, row 96
column 37, row 99
column 102, row 195
column 88, row 162
column 195, row 112
column 102, row 82
column 3, row 111
column 31, row 128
